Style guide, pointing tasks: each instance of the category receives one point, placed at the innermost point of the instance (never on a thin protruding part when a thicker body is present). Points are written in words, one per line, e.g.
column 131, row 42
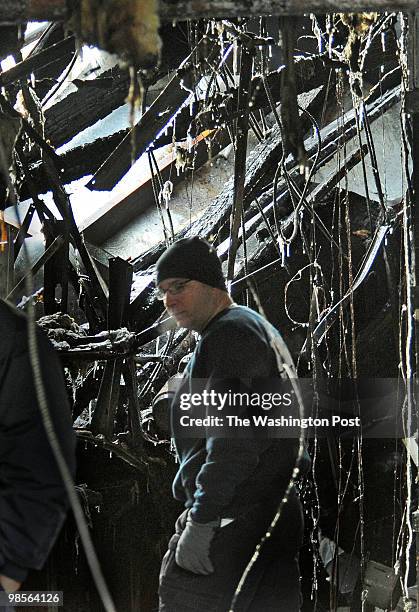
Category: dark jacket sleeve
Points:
column 228, row 353
column 33, row 501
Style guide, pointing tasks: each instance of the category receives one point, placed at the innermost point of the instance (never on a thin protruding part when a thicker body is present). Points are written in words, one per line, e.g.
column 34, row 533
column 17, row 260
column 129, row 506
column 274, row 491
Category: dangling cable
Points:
column 286, row 371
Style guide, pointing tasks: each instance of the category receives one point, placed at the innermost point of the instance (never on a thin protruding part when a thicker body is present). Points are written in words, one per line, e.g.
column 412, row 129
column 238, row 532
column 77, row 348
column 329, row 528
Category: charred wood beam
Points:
column 257, row 168
column 52, row 249
column 10, row 40
column 312, row 200
column 62, row 201
column 331, row 143
column 21, row 11
column 151, row 123
column 311, row 72
column 120, row 280
column 116, row 214
column 221, row 9
column 38, row 60
column 50, row 154
column 96, row 287
column 97, row 347
column 83, row 108
column 261, row 166
column 77, row 162
column 88, row 158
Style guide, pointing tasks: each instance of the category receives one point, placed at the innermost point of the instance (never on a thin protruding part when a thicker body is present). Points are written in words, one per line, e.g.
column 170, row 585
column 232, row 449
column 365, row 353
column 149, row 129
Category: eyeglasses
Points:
column 174, row 289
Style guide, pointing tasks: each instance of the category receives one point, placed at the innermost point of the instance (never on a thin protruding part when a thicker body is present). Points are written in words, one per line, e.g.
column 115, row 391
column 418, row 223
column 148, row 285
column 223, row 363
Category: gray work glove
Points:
column 193, row 547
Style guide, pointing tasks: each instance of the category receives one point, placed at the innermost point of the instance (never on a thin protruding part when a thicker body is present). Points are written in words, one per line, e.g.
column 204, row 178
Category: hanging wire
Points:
column 282, row 167
column 62, row 79
column 364, row 169
column 156, row 192
column 371, row 148
column 286, row 370
column 407, row 370
column 246, row 263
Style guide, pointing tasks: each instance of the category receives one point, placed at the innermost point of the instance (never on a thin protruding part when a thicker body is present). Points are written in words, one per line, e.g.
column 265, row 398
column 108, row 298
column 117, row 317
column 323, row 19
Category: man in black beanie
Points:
column 190, row 279
column 230, row 486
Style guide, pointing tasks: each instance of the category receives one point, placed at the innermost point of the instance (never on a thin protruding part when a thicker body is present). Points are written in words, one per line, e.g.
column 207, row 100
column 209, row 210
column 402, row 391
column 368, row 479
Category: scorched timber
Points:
column 210, row 9
column 84, row 107
column 219, row 210
column 16, row 11
column 47, row 56
column 310, row 72
column 88, row 158
column 97, row 98
column 261, row 165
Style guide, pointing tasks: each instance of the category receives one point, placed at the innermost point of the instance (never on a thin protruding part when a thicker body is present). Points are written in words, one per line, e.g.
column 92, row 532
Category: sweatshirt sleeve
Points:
column 33, row 501
column 228, row 354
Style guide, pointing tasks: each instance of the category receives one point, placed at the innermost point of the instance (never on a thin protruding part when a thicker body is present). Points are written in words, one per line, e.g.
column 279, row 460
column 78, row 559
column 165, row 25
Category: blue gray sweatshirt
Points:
column 222, row 476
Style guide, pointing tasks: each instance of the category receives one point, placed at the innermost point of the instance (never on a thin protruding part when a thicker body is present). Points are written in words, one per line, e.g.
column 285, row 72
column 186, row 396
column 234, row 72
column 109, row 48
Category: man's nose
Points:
column 169, row 299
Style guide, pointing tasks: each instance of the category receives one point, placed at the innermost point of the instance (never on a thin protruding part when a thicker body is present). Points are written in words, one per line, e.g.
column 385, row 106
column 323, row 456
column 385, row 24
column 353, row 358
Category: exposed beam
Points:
column 311, row 72
column 260, row 168
column 151, row 123
column 242, row 131
column 38, row 60
column 85, row 106
column 82, row 108
column 198, row 9
column 120, row 210
column 19, row 11
column 217, row 213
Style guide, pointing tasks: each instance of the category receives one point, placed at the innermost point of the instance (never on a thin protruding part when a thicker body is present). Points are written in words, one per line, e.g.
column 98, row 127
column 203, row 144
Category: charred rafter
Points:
column 265, row 156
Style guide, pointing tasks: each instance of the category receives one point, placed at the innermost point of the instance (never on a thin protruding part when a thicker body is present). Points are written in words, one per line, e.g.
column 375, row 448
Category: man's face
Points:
column 193, row 306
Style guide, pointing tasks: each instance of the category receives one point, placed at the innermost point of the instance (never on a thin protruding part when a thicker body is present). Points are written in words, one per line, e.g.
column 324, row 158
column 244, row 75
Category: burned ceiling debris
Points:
column 316, row 226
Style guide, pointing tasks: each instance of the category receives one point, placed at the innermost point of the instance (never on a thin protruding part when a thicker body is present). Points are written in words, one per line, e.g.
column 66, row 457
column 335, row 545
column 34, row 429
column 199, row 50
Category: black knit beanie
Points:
column 192, row 258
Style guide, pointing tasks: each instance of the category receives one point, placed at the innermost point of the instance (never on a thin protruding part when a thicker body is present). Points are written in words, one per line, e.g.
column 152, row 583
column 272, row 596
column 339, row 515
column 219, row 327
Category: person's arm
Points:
column 33, row 501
